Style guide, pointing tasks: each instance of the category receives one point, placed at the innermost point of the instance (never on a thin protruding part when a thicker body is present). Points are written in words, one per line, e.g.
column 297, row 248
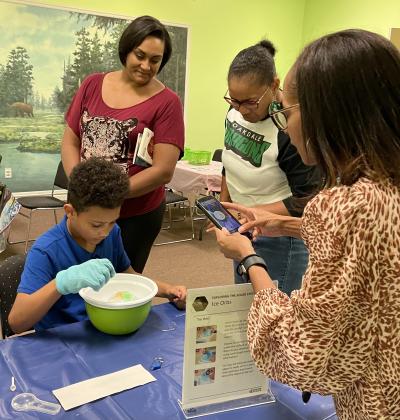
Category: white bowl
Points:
column 142, row 289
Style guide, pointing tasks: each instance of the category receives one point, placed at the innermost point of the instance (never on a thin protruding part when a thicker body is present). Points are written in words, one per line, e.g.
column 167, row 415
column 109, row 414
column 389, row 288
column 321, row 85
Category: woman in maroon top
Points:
column 109, row 111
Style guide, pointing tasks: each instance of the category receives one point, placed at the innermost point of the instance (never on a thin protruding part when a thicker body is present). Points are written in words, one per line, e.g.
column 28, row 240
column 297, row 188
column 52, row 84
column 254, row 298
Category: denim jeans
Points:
column 286, row 259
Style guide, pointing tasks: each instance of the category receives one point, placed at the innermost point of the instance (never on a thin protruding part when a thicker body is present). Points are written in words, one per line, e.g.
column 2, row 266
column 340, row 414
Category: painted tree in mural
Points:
column 62, row 97
column 81, row 65
column 111, row 57
column 3, row 91
column 90, row 56
column 18, row 74
column 16, row 80
column 173, row 74
column 96, row 54
column 39, row 101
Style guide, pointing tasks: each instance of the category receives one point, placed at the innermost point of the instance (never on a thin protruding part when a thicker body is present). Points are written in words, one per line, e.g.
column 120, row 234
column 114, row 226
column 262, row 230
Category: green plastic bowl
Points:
column 123, row 316
column 186, row 154
column 199, row 157
column 118, row 321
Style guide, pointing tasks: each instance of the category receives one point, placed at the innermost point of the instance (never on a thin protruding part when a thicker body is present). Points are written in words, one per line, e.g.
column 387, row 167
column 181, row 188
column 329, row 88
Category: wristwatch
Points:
column 244, row 265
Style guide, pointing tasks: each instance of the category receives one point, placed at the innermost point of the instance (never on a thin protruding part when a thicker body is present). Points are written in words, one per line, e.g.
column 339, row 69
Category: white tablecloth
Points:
column 197, row 179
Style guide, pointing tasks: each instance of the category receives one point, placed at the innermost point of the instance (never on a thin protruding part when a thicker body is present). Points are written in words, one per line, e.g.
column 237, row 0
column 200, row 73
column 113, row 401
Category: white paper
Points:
column 217, row 363
column 92, row 389
column 144, row 142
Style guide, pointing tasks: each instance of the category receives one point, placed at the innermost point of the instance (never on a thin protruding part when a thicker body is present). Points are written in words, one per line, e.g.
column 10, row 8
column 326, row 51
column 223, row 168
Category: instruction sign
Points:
column 217, row 363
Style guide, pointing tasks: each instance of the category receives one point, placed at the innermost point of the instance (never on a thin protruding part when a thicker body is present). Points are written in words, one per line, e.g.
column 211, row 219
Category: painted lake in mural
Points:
column 30, row 171
column 31, row 148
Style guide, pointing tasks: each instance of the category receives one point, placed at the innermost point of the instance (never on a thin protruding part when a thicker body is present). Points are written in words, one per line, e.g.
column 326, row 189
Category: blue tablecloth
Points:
column 61, row 356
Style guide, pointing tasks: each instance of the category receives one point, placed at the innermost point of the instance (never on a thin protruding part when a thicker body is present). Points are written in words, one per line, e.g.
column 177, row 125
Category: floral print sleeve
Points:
column 333, row 335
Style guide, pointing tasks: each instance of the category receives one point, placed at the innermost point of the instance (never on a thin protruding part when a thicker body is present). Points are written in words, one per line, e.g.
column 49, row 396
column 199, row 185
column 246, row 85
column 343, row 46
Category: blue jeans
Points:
column 286, row 259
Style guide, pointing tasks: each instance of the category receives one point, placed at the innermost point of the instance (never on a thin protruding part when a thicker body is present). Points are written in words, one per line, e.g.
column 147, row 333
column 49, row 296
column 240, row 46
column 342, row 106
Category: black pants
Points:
column 138, row 235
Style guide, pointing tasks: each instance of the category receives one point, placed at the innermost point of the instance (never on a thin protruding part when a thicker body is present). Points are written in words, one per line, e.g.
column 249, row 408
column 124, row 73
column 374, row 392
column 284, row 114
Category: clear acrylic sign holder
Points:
column 236, row 404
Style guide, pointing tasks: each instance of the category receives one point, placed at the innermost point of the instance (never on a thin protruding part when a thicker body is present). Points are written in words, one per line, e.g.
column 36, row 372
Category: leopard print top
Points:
column 340, row 334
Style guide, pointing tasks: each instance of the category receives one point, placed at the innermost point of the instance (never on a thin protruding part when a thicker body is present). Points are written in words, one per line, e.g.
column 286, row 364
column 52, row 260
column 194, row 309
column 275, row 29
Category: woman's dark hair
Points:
column 135, row 33
column 348, row 87
column 97, row 182
column 256, row 61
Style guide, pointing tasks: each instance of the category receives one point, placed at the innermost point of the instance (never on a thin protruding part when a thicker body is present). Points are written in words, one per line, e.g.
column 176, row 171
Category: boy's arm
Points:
column 30, row 309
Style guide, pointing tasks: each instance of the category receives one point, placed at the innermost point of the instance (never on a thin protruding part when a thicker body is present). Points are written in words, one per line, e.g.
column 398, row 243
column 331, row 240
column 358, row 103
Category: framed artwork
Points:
column 395, row 36
column 45, row 54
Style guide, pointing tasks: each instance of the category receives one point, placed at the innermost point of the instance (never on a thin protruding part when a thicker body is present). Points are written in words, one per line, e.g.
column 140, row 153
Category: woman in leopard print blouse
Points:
column 339, row 334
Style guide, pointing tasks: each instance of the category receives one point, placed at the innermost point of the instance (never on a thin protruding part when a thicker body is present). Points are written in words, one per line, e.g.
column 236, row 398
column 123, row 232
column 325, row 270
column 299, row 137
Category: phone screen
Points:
column 220, row 214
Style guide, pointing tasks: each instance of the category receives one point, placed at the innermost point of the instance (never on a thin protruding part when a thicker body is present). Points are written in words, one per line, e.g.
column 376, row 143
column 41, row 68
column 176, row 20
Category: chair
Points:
column 217, row 156
column 10, row 276
column 42, row 202
column 175, row 200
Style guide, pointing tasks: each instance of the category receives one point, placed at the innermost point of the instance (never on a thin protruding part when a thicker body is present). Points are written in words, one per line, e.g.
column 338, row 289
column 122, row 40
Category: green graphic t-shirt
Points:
column 250, row 159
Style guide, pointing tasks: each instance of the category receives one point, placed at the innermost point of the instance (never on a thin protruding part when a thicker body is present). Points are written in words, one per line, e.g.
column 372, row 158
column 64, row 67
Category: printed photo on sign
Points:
column 206, row 355
column 206, row 334
column 204, row 376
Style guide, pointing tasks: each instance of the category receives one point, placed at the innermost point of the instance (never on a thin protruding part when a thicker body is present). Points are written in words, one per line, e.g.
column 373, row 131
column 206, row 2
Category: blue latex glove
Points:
column 93, row 273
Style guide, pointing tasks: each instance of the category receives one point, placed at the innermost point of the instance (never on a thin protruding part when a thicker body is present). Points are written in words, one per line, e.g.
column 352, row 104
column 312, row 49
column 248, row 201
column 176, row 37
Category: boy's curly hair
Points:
column 97, row 182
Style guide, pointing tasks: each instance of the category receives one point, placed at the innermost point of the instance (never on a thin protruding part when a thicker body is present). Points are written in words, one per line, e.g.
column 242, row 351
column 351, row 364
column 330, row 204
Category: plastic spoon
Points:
column 29, row 402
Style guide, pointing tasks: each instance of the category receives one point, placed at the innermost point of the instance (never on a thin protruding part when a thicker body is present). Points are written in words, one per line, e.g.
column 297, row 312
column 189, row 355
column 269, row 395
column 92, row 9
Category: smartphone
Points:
column 219, row 215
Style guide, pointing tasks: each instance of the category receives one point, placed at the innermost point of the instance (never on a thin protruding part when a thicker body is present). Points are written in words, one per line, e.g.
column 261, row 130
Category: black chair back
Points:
column 61, row 179
column 217, row 156
column 10, row 276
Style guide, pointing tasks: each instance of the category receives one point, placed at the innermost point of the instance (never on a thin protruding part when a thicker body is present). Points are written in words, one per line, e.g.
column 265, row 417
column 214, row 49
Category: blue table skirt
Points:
column 61, row 356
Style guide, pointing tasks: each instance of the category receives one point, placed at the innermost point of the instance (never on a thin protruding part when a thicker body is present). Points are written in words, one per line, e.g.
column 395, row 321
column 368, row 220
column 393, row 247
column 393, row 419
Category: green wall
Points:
column 323, row 16
column 218, row 30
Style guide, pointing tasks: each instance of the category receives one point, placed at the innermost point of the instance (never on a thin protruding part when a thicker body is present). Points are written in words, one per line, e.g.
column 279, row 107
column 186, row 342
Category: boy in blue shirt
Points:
column 84, row 250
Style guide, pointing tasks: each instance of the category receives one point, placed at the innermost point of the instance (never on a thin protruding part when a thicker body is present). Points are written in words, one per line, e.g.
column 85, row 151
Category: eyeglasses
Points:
column 278, row 114
column 248, row 104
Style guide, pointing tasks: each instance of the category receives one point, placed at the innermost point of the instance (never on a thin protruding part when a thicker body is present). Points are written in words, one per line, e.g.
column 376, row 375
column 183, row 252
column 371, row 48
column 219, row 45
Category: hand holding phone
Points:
column 219, row 215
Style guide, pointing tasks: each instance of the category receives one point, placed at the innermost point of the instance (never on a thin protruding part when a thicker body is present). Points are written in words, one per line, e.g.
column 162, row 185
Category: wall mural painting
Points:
column 45, row 53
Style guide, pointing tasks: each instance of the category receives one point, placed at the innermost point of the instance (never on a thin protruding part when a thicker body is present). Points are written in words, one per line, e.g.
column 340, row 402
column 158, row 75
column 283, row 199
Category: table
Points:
column 60, row 356
column 196, row 179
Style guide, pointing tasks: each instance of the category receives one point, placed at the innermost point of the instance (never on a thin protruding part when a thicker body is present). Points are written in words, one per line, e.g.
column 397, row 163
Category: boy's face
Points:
column 91, row 226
